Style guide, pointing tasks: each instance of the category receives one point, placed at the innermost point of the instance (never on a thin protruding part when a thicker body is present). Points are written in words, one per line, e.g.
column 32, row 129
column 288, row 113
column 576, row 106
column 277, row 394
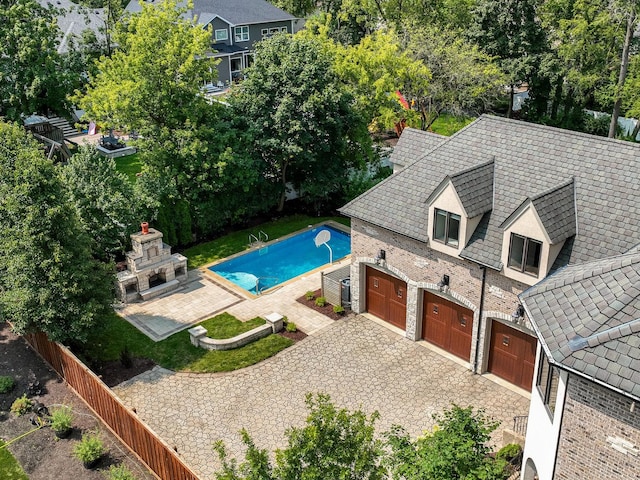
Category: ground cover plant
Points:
column 10, row 468
column 176, row 352
column 226, row 326
column 235, row 242
column 447, row 124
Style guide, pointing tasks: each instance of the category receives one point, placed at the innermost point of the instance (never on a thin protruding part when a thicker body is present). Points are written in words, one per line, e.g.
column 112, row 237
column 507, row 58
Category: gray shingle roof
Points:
column 529, row 159
column 475, row 188
column 236, row 12
column 587, row 319
column 413, row 144
column 556, row 209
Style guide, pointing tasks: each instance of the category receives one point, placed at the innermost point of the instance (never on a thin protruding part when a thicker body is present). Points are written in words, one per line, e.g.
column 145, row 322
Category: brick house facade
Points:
column 594, row 418
column 583, row 421
column 513, row 247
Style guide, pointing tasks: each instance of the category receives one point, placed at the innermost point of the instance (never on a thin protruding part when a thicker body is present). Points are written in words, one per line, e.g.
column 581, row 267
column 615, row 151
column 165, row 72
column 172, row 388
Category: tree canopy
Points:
column 104, row 200
column 49, row 280
column 341, row 444
column 300, row 118
column 35, row 76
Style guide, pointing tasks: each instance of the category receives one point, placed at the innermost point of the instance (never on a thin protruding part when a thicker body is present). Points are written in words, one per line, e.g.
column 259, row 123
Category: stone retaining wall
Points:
column 198, row 335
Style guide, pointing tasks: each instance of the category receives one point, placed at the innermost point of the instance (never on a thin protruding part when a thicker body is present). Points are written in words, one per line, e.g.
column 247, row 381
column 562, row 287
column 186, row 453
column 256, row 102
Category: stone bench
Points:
column 198, row 335
column 159, row 289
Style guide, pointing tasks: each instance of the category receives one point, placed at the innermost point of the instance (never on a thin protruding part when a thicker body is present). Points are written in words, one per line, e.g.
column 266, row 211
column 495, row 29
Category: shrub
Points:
column 119, row 473
column 509, row 452
column 291, row 327
column 6, row 384
column 60, row 419
column 321, row 301
column 21, row 405
column 339, row 309
column 89, row 449
column 309, row 295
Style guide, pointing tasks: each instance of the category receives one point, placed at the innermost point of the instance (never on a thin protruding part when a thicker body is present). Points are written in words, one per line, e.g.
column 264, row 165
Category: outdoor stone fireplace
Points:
column 151, row 268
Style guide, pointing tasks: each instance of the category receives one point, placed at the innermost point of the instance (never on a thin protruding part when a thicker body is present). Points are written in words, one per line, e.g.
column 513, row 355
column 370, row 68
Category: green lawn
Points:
column 176, row 352
column 226, row 326
column 447, row 124
column 236, row 242
column 129, row 165
column 9, row 467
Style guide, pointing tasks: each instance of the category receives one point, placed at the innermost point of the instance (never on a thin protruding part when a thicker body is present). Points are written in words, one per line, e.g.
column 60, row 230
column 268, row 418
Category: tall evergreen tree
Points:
column 49, row 280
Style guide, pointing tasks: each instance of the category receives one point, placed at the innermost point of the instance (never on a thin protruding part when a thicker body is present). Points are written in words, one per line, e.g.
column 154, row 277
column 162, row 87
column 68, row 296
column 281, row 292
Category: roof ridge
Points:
column 563, row 131
column 623, row 330
column 473, row 167
column 552, row 189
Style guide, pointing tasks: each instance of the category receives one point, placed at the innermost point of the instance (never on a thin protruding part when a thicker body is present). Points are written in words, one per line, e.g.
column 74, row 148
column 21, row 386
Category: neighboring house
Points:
column 74, row 19
column 235, row 27
column 583, row 421
column 442, row 248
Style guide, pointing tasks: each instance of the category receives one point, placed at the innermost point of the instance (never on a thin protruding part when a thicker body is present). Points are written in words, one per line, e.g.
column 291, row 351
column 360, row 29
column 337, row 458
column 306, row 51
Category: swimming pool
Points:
column 283, row 260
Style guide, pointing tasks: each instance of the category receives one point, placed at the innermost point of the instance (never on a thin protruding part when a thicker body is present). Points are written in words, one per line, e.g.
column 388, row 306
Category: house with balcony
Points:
column 442, row 249
column 583, row 417
column 235, row 27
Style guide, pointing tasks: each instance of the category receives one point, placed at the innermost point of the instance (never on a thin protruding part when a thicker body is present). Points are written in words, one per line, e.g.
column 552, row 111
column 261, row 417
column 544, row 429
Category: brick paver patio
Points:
column 358, row 362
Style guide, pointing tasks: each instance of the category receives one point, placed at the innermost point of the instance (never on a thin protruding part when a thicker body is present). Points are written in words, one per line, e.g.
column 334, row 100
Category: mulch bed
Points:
column 327, row 310
column 114, row 373
column 40, row 454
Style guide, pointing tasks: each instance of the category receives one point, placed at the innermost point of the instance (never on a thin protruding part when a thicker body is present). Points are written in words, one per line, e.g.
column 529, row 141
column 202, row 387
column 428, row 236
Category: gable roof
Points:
column 587, row 318
column 556, row 210
column 475, row 188
column 529, row 159
column 236, row 12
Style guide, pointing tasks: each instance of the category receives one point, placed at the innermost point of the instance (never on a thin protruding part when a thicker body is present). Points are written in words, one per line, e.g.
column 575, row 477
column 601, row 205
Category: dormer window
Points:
column 446, row 228
column 524, row 254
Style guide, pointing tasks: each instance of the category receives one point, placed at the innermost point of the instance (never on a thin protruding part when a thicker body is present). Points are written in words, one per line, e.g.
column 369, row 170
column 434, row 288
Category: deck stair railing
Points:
column 265, row 284
column 262, row 236
column 520, row 425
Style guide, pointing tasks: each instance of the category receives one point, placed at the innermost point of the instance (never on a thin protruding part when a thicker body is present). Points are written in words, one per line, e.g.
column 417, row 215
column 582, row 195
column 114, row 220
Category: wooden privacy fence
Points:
column 124, row 423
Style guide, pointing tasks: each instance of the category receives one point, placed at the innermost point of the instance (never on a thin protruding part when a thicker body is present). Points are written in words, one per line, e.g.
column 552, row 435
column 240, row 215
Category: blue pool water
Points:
column 276, row 263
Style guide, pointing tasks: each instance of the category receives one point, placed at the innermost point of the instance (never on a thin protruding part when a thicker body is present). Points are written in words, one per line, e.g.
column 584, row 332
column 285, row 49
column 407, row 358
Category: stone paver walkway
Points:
column 358, row 362
column 198, row 300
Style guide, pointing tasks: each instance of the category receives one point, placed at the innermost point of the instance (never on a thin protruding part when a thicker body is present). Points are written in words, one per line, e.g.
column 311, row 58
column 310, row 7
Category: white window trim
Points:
column 226, row 35
column 239, row 33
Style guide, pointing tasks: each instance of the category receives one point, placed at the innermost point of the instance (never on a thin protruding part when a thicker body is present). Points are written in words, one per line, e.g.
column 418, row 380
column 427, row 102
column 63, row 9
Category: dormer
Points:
column 456, row 206
column 535, row 232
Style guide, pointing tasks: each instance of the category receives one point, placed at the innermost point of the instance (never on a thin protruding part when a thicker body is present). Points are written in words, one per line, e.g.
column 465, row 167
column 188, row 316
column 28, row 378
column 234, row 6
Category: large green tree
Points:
column 457, row 449
column 464, row 79
column 304, row 127
column 376, row 69
column 34, row 76
column 195, row 179
column 151, row 83
column 511, row 32
column 49, row 280
column 586, row 43
column 333, row 444
column 104, row 199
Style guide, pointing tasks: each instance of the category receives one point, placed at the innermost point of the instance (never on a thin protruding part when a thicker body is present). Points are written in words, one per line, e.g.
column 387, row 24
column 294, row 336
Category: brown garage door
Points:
column 512, row 355
column 387, row 297
column 447, row 325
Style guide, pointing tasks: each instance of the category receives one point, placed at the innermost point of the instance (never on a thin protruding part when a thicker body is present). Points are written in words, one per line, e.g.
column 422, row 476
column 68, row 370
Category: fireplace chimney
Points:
column 145, row 227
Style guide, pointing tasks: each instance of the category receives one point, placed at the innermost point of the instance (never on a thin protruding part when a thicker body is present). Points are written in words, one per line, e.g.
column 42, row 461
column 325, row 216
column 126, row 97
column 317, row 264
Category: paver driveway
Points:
column 356, row 361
